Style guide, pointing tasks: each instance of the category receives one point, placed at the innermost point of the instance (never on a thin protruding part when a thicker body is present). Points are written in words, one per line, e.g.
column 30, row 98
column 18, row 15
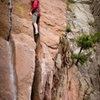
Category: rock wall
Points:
column 31, row 73
column 7, row 73
column 4, row 22
column 95, row 7
column 47, row 47
column 43, row 70
column 87, row 81
column 83, row 82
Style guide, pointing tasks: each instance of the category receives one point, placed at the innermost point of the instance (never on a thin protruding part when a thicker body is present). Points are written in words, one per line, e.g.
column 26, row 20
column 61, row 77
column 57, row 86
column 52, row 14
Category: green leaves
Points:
column 82, row 58
column 95, row 37
column 68, row 28
column 91, row 23
column 84, row 41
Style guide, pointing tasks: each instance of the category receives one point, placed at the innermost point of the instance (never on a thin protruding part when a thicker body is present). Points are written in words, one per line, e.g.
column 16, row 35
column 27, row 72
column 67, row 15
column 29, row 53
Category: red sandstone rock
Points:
column 7, row 79
column 24, row 59
column 52, row 23
column 4, row 19
column 44, row 74
column 53, row 20
column 74, row 90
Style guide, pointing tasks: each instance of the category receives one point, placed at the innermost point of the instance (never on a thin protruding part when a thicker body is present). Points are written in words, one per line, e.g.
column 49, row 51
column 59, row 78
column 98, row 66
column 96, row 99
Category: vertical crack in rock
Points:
column 37, row 76
column 51, row 29
column 10, row 19
column 13, row 72
column 60, row 78
column 42, row 82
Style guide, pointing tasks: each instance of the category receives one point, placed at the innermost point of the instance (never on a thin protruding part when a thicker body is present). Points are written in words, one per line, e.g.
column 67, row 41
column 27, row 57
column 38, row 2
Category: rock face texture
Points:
column 47, row 47
column 7, row 82
column 4, row 19
column 24, row 64
column 81, row 83
column 96, row 13
column 20, row 58
column 43, row 70
column 84, row 82
column 33, row 63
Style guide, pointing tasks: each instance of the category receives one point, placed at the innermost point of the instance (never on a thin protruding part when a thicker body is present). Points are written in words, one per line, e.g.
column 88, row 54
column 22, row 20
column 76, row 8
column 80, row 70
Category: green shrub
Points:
column 91, row 23
column 95, row 37
column 94, row 50
column 68, row 28
column 68, row 3
column 84, row 41
column 82, row 58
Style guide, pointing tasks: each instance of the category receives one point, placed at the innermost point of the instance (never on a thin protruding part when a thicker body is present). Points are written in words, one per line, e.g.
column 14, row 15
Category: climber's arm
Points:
column 30, row 13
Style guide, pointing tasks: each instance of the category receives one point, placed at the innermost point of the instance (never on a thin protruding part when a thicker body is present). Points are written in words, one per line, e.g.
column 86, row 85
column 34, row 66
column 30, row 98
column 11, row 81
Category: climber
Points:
column 35, row 13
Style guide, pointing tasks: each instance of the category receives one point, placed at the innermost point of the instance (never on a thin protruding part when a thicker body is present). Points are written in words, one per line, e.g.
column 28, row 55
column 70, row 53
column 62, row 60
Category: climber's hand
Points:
column 30, row 14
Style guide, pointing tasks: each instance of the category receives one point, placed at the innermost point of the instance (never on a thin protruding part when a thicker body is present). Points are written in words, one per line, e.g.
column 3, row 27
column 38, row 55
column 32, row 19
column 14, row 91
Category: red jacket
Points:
column 36, row 7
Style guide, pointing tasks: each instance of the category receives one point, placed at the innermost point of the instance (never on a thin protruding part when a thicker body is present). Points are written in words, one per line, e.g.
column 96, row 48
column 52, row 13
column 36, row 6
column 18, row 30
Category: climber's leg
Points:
column 38, row 20
column 34, row 22
column 36, row 28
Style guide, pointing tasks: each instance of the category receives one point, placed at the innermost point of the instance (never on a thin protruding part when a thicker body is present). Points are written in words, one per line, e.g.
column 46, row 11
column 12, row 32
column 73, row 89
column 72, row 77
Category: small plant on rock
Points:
column 68, row 28
column 82, row 58
column 91, row 23
column 85, row 42
column 95, row 37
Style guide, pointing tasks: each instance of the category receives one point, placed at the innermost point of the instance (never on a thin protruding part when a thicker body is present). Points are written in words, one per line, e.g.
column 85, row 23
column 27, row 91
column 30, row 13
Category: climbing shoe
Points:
column 36, row 34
